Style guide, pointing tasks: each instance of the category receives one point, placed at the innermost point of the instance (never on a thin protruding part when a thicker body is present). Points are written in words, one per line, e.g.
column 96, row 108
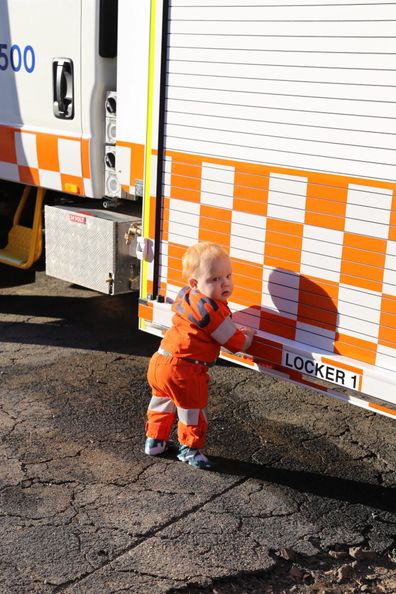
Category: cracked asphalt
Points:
column 302, row 498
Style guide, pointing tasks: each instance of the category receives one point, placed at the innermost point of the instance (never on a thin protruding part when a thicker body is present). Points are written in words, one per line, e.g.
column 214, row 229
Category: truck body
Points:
column 270, row 129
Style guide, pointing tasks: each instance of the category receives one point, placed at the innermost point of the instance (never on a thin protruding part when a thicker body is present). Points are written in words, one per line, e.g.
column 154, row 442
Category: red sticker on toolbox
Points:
column 76, row 218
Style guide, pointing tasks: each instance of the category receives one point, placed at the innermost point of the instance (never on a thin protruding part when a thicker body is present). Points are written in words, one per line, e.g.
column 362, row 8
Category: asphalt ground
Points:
column 302, row 498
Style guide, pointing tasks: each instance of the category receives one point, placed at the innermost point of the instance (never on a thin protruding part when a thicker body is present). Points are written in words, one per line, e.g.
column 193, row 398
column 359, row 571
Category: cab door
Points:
column 53, row 82
column 40, row 96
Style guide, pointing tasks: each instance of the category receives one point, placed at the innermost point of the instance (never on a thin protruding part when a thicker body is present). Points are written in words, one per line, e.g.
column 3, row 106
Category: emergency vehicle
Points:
column 268, row 127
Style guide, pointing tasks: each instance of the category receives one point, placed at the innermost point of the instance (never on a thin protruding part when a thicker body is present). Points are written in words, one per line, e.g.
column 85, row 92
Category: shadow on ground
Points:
column 113, row 320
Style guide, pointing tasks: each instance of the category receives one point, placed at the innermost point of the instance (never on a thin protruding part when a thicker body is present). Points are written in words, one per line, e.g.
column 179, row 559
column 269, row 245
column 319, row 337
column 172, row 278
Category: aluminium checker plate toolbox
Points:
column 88, row 248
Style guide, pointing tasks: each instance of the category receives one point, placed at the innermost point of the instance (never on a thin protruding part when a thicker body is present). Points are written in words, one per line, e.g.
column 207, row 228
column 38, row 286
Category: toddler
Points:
column 178, row 371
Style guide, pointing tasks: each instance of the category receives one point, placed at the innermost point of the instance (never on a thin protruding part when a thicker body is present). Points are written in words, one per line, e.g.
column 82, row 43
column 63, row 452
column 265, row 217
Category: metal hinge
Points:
column 135, row 230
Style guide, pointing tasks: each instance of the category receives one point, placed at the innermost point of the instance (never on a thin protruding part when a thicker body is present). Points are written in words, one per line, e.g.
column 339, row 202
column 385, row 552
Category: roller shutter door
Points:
column 280, row 137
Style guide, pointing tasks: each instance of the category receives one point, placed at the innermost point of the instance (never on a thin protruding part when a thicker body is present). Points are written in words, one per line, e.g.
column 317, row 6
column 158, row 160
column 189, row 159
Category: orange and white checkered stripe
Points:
column 313, row 254
column 268, row 359
column 56, row 162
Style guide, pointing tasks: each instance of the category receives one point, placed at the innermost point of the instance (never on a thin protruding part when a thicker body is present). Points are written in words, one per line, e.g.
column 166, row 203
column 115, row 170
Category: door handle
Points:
column 63, row 88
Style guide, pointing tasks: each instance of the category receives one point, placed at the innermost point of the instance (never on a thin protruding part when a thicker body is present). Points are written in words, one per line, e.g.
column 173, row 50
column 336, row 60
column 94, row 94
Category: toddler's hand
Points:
column 249, row 333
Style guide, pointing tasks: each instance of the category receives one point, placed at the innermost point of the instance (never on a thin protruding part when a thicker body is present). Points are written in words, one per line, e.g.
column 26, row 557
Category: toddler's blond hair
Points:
column 193, row 257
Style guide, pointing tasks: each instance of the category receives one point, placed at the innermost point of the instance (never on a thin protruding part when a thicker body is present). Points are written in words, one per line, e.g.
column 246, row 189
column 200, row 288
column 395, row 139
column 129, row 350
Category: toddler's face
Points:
column 214, row 278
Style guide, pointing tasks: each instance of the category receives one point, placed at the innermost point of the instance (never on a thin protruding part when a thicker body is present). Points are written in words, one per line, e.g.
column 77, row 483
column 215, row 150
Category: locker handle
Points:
column 63, row 88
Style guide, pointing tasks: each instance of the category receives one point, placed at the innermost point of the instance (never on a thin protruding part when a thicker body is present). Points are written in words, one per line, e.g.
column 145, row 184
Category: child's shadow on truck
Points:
column 296, row 308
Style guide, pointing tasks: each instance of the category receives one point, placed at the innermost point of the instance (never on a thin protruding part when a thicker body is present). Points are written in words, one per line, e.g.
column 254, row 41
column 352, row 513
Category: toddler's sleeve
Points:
column 223, row 330
column 212, row 317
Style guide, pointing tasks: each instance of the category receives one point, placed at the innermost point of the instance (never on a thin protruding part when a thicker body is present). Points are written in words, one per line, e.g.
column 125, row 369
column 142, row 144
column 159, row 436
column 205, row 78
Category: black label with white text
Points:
column 322, row 371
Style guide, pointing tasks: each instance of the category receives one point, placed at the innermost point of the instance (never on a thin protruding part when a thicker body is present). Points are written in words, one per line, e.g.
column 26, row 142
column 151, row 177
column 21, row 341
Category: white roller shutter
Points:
column 303, row 85
column 279, row 141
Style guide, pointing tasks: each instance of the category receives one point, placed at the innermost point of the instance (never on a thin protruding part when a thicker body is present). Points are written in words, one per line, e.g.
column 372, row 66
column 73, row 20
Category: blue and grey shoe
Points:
column 154, row 447
column 194, row 457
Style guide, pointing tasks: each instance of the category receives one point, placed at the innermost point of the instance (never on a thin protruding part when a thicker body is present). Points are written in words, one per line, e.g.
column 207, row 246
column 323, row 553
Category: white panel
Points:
column 358, row 329
column 311, row 258
column 132, row 70
column 321, row 252
column 368, row 210
column 325, row 267
column 248, row 225
column 50, row 179
column 358, row 313
column 386, row 357
column 162, row 314
column 217, row 185
column 184, row 206
column 319, row 338
column 69, row 152
column 320, row 247
column 183, row 234
column 247, row 244
column 26, row 149
column 369, row 196
column 177, row 216
column 287, row 197
column 389, row 285
column 366, row 299
column 123, row 164
column 184, row 222
column 88, row 187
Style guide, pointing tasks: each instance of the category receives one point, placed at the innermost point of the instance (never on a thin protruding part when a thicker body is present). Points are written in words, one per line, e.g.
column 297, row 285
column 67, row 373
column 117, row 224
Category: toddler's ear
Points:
column 192, row 282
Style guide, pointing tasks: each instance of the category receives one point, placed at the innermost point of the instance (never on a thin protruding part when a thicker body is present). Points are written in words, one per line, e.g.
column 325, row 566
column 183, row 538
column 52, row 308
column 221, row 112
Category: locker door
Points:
column 279, row 136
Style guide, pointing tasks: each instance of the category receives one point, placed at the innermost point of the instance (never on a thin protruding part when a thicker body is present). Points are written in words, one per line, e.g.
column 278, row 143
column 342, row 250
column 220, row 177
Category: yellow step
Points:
column 24, row 243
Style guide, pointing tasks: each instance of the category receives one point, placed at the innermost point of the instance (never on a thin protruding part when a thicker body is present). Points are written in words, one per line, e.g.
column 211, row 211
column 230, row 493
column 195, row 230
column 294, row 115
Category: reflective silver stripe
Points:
column 164, row 352
column 188, row 416
column 162, row 404
column 205, row 414
column 224, row 331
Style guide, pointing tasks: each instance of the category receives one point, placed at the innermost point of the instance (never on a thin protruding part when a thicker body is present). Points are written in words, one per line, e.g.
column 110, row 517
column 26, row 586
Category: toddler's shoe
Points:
column 154, row 447
column 194, row 457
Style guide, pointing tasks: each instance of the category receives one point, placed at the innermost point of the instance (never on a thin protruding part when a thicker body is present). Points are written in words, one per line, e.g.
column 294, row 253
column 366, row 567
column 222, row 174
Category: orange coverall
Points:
column 179, row 385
